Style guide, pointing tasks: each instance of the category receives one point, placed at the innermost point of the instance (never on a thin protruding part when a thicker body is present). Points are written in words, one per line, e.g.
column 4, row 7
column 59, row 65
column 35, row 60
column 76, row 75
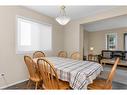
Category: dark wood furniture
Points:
column 84, row 58
column 109, row 56
column 111, row 61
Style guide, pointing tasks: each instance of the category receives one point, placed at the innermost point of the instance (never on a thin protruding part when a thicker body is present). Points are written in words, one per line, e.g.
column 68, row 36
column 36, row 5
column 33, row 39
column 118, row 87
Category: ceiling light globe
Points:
column 63, row 20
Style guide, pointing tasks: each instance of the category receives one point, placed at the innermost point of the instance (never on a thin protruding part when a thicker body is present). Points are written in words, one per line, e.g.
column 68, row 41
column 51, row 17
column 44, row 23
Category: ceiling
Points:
column 75, row 12
column 107, row 24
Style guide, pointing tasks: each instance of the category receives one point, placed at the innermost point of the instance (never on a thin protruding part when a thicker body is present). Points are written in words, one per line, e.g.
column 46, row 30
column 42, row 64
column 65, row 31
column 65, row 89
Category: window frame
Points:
column 124, row 44
column 16, row 32
column 115, row 40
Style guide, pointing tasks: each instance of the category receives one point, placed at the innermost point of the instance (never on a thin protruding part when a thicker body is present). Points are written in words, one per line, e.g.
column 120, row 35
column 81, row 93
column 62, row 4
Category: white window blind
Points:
column 33, row 36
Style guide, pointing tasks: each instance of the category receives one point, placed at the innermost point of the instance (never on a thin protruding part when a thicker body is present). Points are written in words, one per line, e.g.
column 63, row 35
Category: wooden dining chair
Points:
column 34, row 74
column 38, row 54
column 76, row 56
column 62, row 54
column 50, row 78
column 103, row 83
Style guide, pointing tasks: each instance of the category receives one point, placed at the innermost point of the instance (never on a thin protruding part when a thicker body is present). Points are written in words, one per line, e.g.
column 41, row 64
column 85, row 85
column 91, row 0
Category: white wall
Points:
column 10, row 63
column 71, row 38
column 86, row 42
column 98, row 39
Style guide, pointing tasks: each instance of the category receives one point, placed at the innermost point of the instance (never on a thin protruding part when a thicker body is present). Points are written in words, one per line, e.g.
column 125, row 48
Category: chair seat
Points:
column 99, row 84
column 62, row 85
column 102, row 83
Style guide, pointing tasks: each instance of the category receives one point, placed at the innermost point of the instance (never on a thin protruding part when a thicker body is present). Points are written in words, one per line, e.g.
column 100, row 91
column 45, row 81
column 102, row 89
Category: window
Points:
column 125, row 45
column 125, row 41
column 33, row 36
column 111, row 41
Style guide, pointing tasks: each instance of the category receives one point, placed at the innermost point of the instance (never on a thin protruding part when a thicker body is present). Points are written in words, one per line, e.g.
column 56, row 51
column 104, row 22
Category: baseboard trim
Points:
column 3, row 87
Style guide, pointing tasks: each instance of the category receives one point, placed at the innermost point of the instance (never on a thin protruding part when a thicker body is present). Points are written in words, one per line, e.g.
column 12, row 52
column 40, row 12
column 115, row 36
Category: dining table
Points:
column 78, row 73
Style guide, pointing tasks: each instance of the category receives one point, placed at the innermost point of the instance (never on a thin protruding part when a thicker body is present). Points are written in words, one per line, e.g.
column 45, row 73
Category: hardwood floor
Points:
column 18, row 86
column 23, row 86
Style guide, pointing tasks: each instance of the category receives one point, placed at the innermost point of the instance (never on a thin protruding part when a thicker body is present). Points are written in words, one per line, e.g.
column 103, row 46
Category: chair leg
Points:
column 40, row 84
column 36, row 85
column 28, row 84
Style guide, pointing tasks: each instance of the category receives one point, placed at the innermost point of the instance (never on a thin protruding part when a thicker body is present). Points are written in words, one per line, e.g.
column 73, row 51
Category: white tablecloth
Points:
column 78, row 73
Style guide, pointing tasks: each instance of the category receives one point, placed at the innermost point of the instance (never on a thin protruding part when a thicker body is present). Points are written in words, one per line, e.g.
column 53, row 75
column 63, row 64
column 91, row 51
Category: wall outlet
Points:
column 2, row 75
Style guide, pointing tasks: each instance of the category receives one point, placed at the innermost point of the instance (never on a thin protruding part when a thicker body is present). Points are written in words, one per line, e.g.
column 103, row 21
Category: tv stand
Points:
column 109, row 56
column 111, row 61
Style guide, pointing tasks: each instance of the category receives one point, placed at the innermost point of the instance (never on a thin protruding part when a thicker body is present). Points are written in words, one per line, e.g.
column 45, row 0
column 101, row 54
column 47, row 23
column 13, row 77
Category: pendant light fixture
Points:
column 62, row 18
